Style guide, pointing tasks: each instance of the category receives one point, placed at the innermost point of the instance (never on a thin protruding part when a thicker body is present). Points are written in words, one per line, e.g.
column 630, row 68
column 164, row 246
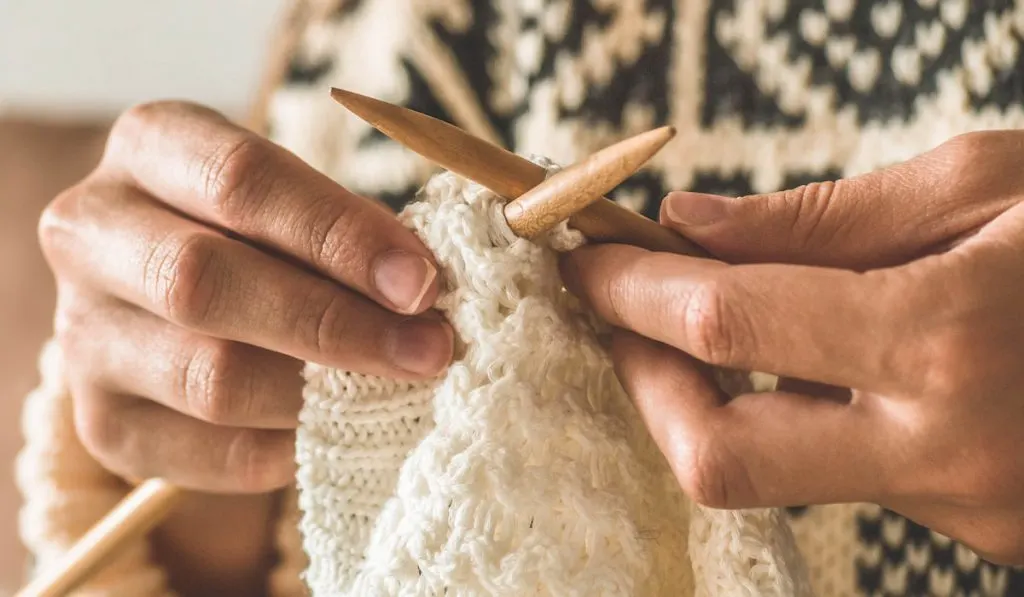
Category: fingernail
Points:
column 694, row 209
column 403, row 279
column 421, row 346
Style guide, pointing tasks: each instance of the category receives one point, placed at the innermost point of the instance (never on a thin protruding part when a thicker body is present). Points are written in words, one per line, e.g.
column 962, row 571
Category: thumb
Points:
column 880, row 219
column 834, row 224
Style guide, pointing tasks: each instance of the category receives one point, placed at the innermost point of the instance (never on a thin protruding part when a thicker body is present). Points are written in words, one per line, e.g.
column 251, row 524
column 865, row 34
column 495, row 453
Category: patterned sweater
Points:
column 765, row 94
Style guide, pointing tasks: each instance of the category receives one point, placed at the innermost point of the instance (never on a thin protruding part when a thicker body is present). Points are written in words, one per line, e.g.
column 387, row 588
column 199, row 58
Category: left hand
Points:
column 906, row 285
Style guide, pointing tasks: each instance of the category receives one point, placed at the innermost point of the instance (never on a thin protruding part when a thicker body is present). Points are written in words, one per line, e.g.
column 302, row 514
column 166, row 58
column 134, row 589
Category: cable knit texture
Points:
column 525, row 469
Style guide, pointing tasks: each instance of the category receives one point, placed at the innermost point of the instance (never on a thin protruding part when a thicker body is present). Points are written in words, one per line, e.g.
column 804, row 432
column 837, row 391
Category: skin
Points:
column 197, row 267
column 896, row 298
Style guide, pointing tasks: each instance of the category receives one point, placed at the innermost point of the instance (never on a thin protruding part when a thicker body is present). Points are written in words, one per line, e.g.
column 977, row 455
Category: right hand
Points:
column 196, row 268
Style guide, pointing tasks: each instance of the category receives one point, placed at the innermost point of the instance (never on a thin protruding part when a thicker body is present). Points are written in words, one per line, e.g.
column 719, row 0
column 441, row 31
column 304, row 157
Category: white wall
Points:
column 99, row 56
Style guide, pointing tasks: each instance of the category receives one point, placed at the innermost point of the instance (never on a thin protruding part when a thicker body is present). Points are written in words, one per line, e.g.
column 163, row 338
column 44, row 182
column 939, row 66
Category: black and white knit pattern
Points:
column 766, row 94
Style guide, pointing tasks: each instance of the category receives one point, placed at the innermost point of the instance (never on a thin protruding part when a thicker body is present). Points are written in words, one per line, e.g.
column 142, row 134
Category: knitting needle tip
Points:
column 348, row 98
column 374, row 111
column 571, row 190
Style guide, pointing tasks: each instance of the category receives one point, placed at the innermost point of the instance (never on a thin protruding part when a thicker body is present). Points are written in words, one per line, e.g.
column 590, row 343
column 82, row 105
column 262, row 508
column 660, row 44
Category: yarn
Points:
column 524, row 470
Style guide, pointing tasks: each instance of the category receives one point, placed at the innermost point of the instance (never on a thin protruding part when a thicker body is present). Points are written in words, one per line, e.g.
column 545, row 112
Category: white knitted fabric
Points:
column 525, row 469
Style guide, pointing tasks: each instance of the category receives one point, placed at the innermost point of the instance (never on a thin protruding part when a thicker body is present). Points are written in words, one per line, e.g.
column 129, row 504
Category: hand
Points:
column 196, row 268
column 906, row 285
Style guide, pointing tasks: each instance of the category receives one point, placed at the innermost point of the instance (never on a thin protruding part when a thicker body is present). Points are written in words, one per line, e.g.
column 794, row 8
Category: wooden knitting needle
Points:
column 134, row 516
column 506, row 173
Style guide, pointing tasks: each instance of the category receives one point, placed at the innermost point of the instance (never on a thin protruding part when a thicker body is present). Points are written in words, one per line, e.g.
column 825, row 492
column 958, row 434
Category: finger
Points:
column 824, row 325
column 139, row 439
column 131, row 352
column 756, row 450
column 212, row 170
column 199, row 279
column 883, row 218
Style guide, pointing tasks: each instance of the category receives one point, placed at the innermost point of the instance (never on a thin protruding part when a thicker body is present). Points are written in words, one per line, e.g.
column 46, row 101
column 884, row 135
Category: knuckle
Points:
column 218, row 384
column 944, row 374
column 960, row 170
column 963, row 151
column 324, row 323
column 57, row 220
column 620, row 291
column 136, row 119
column 146, row 115
column 809, row 206
column 181, row 277
column 259, row 461
column 708, row 324
column 55, row 215
column 136, row 126
column 100, row 429
column 700, row 468
column 337, row 237
column 232, row 174
column 134, row 123
column 956, row 361
column 627, row 293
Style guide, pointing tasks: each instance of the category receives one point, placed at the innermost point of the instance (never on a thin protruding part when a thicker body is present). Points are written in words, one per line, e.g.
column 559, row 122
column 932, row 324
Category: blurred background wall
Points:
column 95, row 57
column 67, row 67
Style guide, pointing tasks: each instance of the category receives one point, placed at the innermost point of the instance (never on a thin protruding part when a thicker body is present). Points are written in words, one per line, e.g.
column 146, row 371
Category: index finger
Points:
column 831, row 326
column 199, row 163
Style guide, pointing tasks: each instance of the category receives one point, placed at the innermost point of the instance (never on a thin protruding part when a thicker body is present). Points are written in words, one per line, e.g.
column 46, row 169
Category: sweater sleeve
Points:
column 65, row 491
